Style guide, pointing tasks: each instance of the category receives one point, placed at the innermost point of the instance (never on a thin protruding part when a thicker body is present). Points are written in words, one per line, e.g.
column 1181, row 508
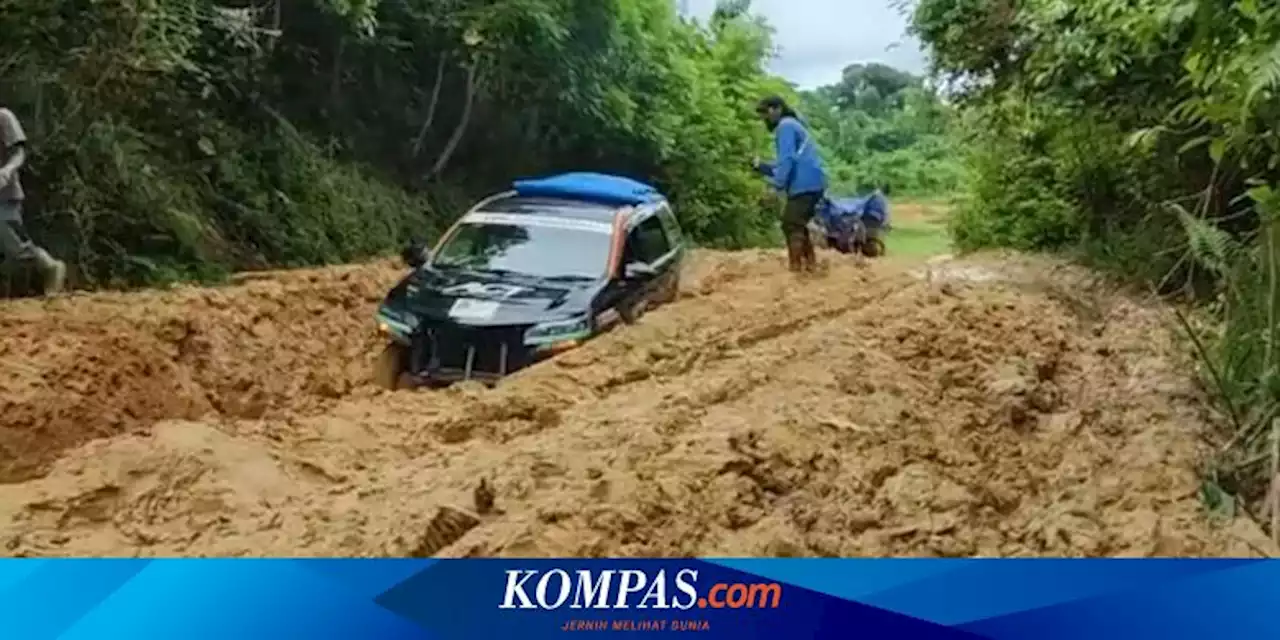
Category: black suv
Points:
column 527, row 274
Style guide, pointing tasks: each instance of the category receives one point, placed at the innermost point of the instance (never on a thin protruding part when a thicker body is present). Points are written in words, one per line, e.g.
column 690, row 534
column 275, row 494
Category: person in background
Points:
column 14, row 241
column 797, row 174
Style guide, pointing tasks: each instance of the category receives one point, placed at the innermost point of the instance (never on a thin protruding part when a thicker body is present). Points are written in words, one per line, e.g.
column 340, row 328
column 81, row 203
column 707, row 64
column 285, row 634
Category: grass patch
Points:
column 919, row 230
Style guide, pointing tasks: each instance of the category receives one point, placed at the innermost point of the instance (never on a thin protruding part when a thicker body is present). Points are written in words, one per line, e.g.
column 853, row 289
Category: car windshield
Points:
column 562, row 251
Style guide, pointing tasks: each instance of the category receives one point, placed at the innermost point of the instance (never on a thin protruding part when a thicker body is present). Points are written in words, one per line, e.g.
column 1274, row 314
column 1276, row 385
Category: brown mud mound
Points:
column 100, row 365
column 869, row 411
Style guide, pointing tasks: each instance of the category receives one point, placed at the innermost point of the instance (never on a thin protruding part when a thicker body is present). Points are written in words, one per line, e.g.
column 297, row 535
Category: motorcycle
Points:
column 853, row 225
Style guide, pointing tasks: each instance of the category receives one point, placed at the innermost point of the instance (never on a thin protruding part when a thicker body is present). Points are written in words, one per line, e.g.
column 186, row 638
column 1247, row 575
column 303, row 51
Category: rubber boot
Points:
column 808, row 256
column 54, row 271
column 799, row 248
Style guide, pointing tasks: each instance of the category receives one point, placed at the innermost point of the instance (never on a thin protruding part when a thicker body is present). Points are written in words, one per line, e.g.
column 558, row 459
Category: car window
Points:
column 670, row 223
column 648, row 241
column 530, row 250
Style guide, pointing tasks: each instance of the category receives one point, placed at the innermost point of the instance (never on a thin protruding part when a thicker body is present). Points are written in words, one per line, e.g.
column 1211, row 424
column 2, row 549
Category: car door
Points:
column 620, row 294
column 675, row 236
column 652, row 248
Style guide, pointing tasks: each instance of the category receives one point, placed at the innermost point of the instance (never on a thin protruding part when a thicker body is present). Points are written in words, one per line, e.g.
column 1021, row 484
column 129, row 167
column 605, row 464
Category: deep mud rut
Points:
column 996, row 407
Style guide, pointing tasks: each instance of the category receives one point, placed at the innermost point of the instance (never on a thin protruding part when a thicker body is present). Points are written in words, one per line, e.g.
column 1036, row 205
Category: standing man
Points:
column 797, row 174
column 14, row 241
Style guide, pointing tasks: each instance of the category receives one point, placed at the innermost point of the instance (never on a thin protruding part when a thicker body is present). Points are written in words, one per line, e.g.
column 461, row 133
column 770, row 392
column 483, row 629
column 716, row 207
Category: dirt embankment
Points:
column 97, row 366
column 868, row 412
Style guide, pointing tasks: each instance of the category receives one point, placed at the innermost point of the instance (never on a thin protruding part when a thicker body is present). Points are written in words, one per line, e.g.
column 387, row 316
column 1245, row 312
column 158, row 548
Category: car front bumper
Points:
column 453, row 354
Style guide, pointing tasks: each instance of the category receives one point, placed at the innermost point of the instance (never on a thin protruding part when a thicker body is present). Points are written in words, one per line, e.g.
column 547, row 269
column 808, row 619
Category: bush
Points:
column 1128, row 132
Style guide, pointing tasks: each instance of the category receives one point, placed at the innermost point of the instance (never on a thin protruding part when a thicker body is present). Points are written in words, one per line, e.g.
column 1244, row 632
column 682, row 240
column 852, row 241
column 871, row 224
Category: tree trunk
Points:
column 335, row 74
column 431, row 109
column 461, row 129
column 277, row 21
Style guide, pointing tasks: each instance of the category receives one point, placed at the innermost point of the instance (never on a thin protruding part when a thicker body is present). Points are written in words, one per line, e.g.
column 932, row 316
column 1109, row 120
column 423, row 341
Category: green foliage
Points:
column 883, row 128
column 1145, row 133
column 176, row 138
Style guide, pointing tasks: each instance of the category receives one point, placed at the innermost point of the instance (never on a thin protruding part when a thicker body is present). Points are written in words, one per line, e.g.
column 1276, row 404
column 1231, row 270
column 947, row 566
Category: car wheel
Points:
column 632, row 313
column 389, row 367
column 873, row 248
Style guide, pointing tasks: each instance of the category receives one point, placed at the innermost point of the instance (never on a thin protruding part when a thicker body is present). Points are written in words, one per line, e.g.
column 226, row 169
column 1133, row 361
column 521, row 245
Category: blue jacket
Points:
column 798, row 168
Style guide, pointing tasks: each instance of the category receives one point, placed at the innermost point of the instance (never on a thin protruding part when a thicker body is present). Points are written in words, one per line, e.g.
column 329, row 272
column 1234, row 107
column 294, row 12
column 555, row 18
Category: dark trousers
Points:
column 796, row 214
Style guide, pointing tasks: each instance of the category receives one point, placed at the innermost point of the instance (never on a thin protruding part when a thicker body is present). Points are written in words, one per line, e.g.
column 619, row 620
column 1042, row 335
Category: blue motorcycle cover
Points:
column 840, row 213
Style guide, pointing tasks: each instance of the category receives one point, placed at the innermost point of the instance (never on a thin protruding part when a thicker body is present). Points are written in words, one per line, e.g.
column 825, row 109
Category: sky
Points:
column 818, row 38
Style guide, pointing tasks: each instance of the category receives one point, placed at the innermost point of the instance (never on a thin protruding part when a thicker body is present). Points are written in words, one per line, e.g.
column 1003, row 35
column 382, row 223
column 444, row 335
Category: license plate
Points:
column 469, row 309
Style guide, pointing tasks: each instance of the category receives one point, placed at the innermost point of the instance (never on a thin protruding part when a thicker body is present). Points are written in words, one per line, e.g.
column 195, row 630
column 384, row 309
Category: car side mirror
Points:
column 638, row 271
column 415, row 255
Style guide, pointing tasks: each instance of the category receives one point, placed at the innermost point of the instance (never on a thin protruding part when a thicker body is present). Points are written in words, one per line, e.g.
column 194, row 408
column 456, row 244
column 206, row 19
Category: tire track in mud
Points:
column 862, row 413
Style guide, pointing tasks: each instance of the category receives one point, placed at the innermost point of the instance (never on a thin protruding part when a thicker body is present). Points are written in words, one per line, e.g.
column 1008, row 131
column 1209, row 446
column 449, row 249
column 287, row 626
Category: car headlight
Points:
column 398, row 323
column 557, row 331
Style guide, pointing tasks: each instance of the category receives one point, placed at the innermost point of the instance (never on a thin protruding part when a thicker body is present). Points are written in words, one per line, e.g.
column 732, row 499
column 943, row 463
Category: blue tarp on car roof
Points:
column 595, row 187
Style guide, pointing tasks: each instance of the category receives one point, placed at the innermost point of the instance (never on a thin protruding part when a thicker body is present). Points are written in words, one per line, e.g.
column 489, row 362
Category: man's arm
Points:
column 787, row 141
column 765, row 169
column 14, row 140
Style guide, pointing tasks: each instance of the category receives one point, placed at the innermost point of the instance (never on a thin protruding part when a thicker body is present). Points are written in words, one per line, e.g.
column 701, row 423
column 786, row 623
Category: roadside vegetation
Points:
column 884, row 128
column 181, row 139
column 177, row 139
column 1144, row 137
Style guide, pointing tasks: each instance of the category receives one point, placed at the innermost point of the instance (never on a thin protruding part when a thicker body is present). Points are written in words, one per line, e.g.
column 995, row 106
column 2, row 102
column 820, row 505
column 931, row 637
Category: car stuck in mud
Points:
column 526, row 274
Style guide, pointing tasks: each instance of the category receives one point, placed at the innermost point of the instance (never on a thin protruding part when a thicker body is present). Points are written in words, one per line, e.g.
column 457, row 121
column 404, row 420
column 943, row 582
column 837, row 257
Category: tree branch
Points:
column 431, row 109
column 461, row 129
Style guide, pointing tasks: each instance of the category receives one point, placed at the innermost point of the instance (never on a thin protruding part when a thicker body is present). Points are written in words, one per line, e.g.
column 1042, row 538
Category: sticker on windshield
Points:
column 468, row 309
column 539, row 221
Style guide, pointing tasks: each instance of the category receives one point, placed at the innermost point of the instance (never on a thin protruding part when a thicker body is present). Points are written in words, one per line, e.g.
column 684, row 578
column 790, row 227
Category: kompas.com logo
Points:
column 587, row 589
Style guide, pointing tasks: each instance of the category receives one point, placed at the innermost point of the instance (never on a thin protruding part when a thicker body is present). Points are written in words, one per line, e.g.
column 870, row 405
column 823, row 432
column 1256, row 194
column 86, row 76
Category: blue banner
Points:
column 739, row 599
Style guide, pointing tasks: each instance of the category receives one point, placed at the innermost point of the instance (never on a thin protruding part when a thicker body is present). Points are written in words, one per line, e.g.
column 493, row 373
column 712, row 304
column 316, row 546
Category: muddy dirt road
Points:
column 991, row 408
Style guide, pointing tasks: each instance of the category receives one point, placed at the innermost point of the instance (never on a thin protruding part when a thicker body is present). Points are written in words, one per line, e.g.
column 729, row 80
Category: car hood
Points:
column 482, row 299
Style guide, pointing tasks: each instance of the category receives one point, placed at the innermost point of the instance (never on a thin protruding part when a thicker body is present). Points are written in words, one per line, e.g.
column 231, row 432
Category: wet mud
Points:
column 980, row 407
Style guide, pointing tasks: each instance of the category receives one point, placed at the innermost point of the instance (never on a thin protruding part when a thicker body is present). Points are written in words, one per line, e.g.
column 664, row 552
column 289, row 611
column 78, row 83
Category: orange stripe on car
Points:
column 615, row 252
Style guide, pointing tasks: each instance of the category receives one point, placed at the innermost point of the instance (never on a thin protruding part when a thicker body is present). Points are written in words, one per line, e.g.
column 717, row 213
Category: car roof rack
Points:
column 600, row 188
